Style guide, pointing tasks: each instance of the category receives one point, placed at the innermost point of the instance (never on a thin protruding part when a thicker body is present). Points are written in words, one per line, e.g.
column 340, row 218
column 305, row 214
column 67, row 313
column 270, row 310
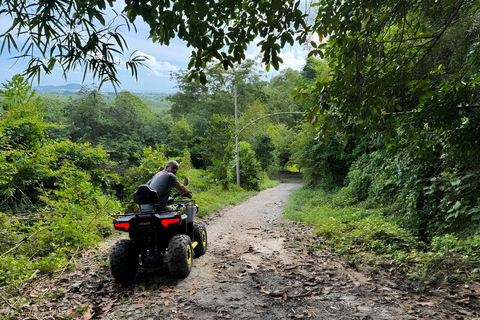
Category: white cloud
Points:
column 153, row 67
column 293, row 57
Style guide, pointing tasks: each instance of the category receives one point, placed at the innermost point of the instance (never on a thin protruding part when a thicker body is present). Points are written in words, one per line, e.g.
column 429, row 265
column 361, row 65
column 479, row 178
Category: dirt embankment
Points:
column 257, row 266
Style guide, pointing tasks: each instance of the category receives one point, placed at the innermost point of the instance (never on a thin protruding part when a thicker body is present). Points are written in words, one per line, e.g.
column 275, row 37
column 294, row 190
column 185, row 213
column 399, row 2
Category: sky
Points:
column 156, row 78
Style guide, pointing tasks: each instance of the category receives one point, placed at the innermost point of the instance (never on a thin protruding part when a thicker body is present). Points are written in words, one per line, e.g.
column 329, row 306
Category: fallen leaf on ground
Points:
column 326, row 290
column 262, row 289
column 87, row 316
column 427, row 303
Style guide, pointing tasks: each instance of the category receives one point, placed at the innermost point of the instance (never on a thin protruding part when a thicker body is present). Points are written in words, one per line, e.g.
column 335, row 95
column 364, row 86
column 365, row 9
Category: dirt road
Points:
column 257, row 267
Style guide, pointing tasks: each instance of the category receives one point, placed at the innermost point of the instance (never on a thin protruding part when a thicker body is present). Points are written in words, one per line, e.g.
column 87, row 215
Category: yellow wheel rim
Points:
column 204, row 238
column 189, row 254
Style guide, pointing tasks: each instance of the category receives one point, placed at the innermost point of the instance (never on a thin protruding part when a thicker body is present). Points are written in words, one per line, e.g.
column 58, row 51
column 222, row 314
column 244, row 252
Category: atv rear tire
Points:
column 200, row 236
column 124, row 259
column 180, row 254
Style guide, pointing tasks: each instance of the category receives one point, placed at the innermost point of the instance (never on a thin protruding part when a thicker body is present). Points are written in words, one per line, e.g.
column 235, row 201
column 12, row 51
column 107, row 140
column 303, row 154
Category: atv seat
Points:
column 145, row 195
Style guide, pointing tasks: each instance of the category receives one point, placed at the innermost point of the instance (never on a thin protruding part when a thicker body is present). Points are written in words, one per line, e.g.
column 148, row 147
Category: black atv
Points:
column 157, row 233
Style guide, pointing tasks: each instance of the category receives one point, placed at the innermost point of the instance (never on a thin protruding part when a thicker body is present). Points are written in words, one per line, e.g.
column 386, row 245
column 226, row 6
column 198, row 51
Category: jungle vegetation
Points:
column 389, row 147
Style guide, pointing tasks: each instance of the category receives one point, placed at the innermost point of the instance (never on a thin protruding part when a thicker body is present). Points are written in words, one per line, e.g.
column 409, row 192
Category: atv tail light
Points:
column 122, row 226
column 168, row 222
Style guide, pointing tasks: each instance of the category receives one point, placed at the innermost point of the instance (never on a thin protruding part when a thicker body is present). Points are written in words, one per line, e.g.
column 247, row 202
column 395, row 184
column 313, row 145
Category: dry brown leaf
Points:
column 427, row 303
column 262, row 289
column 167, row 303
column 285, row 297
column 108, row 307
column 192, row 292
column 272, row 267
column 466, row 300
column 87, row 315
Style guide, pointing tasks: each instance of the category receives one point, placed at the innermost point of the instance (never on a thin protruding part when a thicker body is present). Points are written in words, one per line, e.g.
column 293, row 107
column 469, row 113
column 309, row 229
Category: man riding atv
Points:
column 163, row 228
column 164, row 181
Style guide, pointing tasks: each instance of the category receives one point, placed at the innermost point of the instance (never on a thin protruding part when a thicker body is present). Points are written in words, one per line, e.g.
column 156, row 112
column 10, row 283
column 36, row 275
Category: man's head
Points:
column 172, row 166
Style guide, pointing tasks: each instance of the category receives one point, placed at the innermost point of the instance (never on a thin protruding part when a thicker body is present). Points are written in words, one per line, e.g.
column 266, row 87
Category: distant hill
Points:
column 69, row 86
column 155, row 100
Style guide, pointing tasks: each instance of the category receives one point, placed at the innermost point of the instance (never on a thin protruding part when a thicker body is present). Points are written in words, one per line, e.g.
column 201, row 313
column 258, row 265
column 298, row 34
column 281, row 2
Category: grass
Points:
column 370, row 236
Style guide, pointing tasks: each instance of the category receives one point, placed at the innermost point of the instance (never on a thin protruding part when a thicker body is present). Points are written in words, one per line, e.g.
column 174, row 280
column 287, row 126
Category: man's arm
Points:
column 180, row 187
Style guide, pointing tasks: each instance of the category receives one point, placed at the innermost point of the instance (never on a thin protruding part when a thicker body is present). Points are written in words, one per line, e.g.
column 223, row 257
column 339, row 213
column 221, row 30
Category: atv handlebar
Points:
column 179, row 194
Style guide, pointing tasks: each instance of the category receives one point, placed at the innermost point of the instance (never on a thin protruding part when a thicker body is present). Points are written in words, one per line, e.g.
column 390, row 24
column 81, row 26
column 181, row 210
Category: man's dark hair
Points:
column 172, row 163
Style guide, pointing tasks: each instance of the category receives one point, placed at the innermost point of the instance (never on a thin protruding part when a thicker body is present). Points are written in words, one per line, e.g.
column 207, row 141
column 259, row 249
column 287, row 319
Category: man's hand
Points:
column 188, row 195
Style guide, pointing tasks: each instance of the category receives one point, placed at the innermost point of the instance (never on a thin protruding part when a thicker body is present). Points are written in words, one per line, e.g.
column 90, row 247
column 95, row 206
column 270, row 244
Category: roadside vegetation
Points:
column 383, row 122
column 68, row 163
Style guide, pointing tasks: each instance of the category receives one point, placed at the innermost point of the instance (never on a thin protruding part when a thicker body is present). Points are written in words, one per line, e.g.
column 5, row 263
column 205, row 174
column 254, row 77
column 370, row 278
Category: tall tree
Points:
column 85, row 114
column 129, row 125
column 219, row 148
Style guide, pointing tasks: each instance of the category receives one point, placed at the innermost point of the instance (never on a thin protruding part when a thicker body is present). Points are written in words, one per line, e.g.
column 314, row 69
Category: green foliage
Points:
column 408, row 82
column 264, row 150
column 181, row 136
column 324, row 163
column 85, row 115
column 368, row 235
column 250, row 168
column 186, row 162
column 129, row 125
column 219, row 148
column 22, row 126
column 362, row 173
column 54, row 193
column 123, row 126
column 151, row 160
